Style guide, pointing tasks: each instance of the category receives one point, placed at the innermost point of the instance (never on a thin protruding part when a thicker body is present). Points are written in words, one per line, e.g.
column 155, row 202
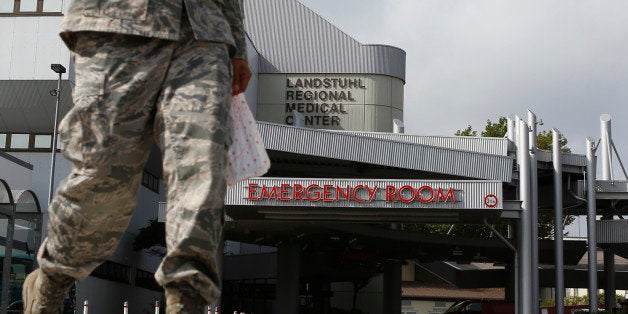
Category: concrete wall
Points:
column 369, row 105
column 31, row 43
column 40, row 176
column 20, row 177
column 369, row 299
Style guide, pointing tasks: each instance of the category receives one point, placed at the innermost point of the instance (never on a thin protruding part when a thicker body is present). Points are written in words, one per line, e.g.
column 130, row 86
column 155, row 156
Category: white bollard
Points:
column 85, row 307
column 216, row 310
column 156, row 307
column 126, row 307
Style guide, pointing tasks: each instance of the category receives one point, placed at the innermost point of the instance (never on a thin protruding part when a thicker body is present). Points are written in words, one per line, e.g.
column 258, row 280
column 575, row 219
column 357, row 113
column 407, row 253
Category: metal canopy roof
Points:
column 424, row 247
column 486, row 145
column 291, row 38
column 386, row 152
column 28, row 107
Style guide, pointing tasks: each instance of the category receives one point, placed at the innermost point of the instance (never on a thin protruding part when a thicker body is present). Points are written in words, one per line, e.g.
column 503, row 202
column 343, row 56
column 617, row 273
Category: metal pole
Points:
column 398, row 128
column 525, row 249
column 607, row 174
column 517, row 227
column 510, row 129
column 534, row 211
column 605, row 152
column 6, row 271
column 54, row 142
column 558, row 223
column 591, row 235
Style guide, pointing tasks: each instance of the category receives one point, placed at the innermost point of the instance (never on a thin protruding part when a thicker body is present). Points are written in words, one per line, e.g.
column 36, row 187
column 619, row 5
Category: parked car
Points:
column 500, row 307
column 482, row 307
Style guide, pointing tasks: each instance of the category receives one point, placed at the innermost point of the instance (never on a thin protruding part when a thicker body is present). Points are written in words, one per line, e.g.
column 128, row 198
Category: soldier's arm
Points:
column 241, row 71
column 234, row 15
column 241, row 75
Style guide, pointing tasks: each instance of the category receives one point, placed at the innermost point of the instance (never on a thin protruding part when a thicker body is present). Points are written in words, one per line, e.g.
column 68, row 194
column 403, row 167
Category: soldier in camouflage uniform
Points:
column 146, row 71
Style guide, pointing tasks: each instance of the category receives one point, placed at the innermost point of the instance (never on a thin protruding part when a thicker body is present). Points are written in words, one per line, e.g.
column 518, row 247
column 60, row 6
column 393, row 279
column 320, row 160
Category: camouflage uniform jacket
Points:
column 211, row 20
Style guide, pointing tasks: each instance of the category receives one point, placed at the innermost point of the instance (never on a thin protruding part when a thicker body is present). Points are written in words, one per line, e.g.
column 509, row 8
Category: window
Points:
column 30, row 142
column 31, row 7
column 112, row 271
column 3, row 141
column 27, row 5
column 146, row 280
column 6, row 6
column 19, row 141
column 43, row 141
column 150, row 181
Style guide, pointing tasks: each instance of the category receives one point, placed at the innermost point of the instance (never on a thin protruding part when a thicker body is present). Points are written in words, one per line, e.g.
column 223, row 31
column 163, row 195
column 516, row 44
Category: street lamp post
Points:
column 59, row 69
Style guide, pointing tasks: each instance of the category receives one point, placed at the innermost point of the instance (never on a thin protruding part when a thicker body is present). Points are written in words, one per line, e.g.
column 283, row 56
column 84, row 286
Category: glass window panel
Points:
column 3, row 140
column 28, row 5
column 43, row 141
column 19, row 141
column 6, row 6
column 53, row 5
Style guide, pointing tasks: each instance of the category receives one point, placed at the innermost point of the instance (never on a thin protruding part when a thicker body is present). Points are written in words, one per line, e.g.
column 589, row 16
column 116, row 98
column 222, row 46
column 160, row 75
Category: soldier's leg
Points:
column 107, row 136
column 194, row 131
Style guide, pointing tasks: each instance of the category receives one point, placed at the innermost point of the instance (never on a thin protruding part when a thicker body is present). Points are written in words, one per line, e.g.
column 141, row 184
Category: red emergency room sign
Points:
column 366, row 193
column 359, row 193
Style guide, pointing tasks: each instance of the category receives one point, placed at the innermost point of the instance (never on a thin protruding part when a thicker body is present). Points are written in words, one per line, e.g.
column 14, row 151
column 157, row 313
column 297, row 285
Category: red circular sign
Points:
column 491, row 201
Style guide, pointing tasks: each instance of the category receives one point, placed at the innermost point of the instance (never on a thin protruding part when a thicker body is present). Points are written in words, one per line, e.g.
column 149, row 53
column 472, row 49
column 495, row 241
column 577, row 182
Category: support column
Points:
column 558, row 223
column 525, row 247
column 534, row 211
column 591, row 234
column 392, row 287
column 288, row 271
column 510, row 291
column 607, row 174
column 8, row 254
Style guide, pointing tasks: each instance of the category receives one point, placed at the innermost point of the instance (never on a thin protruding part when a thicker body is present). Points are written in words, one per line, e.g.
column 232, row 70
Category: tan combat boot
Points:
column 44, row 295
column 183, row 300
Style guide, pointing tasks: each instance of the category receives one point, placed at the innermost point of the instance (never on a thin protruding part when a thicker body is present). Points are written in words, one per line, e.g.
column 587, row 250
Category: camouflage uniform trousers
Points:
column 131, row 91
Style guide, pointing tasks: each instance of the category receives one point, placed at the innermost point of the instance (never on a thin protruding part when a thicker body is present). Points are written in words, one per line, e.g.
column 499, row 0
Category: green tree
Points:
column 467, row 132
column 498, row 129
column 544, row 141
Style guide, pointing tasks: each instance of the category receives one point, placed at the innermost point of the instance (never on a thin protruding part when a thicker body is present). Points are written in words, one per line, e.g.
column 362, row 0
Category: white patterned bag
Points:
column 247, row 155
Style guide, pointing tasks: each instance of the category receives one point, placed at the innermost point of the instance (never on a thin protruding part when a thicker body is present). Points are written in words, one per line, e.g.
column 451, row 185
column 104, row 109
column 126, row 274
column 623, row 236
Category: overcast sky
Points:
column 469, row 61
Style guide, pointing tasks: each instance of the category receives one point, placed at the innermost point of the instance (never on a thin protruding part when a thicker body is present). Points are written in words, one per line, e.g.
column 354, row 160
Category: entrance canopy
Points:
column 366, row 200
column 22, row 209
column 25, row 202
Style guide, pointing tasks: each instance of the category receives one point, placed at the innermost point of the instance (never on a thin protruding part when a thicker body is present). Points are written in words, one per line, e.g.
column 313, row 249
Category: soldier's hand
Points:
column 241, row 75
